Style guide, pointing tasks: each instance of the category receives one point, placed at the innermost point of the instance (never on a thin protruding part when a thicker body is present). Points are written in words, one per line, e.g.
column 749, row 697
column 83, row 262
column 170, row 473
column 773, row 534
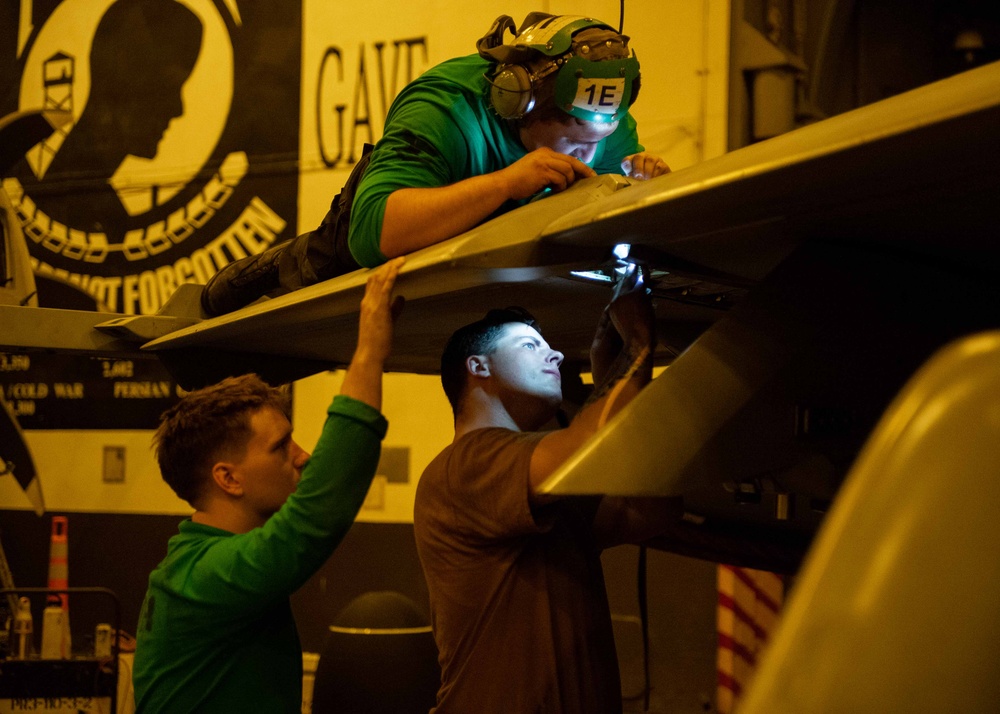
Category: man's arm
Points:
column 622, row 356
column 418, row 217
column 294, row 542
column 363, row 380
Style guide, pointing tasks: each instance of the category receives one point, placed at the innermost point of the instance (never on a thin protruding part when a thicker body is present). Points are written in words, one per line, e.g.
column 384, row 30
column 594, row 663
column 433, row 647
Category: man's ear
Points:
column 478, row 366
column 225, row 478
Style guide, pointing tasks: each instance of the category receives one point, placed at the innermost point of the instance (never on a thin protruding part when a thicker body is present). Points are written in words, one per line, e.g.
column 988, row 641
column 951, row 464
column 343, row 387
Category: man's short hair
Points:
column 207, row 424
column 477, row 338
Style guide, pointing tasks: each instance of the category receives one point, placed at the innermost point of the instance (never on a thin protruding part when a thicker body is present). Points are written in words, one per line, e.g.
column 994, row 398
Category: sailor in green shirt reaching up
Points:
column 216, row 632
column 469, row 139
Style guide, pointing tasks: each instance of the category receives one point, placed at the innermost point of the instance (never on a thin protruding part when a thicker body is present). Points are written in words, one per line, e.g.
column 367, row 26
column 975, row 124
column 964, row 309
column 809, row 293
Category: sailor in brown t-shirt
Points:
column 518, row 604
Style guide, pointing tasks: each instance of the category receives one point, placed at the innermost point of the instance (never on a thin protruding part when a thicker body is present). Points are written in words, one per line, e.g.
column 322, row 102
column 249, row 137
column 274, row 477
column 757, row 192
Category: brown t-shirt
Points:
column 518, row 604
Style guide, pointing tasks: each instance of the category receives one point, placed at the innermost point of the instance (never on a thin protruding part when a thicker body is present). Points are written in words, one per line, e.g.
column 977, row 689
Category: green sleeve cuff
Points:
column 367, row 255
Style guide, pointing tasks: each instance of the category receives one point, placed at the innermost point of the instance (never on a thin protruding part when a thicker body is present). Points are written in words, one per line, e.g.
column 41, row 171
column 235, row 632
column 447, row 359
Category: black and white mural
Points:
column 182, row 150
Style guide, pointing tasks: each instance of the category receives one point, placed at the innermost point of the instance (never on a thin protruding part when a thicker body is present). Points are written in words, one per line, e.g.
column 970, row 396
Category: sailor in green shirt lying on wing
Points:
column 471, row 138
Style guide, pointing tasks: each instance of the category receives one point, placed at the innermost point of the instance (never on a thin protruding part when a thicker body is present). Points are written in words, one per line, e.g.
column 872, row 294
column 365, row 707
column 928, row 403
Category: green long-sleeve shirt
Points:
column 441, row 129
column 216, row 632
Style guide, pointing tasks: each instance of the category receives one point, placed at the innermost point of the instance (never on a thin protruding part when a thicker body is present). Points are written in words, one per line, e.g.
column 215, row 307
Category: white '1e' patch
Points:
column 603, row 95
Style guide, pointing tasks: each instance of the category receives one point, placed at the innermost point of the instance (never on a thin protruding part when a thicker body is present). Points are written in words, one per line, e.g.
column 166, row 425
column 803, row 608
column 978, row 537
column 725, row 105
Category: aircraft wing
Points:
column 445, row 286
column 914, row 175
column 799, row 282
column 891, row 216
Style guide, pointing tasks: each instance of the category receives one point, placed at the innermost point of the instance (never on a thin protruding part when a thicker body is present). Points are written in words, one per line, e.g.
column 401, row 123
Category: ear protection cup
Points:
column 510, row 91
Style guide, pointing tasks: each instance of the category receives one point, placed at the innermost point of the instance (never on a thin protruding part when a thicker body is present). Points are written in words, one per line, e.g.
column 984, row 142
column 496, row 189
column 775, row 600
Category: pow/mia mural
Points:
column 181, row 154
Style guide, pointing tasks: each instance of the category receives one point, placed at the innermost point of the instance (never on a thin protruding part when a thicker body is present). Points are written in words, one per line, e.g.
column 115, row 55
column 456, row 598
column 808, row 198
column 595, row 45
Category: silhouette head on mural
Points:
column 142, row 54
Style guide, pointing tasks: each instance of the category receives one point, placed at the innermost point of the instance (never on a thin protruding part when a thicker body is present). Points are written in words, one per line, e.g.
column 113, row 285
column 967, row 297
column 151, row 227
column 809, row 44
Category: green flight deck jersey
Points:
column 440, row 130
column 216, row 632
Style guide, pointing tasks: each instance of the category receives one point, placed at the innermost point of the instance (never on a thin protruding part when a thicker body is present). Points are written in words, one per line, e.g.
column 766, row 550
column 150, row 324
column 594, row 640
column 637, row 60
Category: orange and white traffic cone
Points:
column 59, row 558
column 55, row 626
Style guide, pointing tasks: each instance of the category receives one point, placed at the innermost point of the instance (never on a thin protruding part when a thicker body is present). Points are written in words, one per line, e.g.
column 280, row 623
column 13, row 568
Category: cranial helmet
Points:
column 596, row 79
